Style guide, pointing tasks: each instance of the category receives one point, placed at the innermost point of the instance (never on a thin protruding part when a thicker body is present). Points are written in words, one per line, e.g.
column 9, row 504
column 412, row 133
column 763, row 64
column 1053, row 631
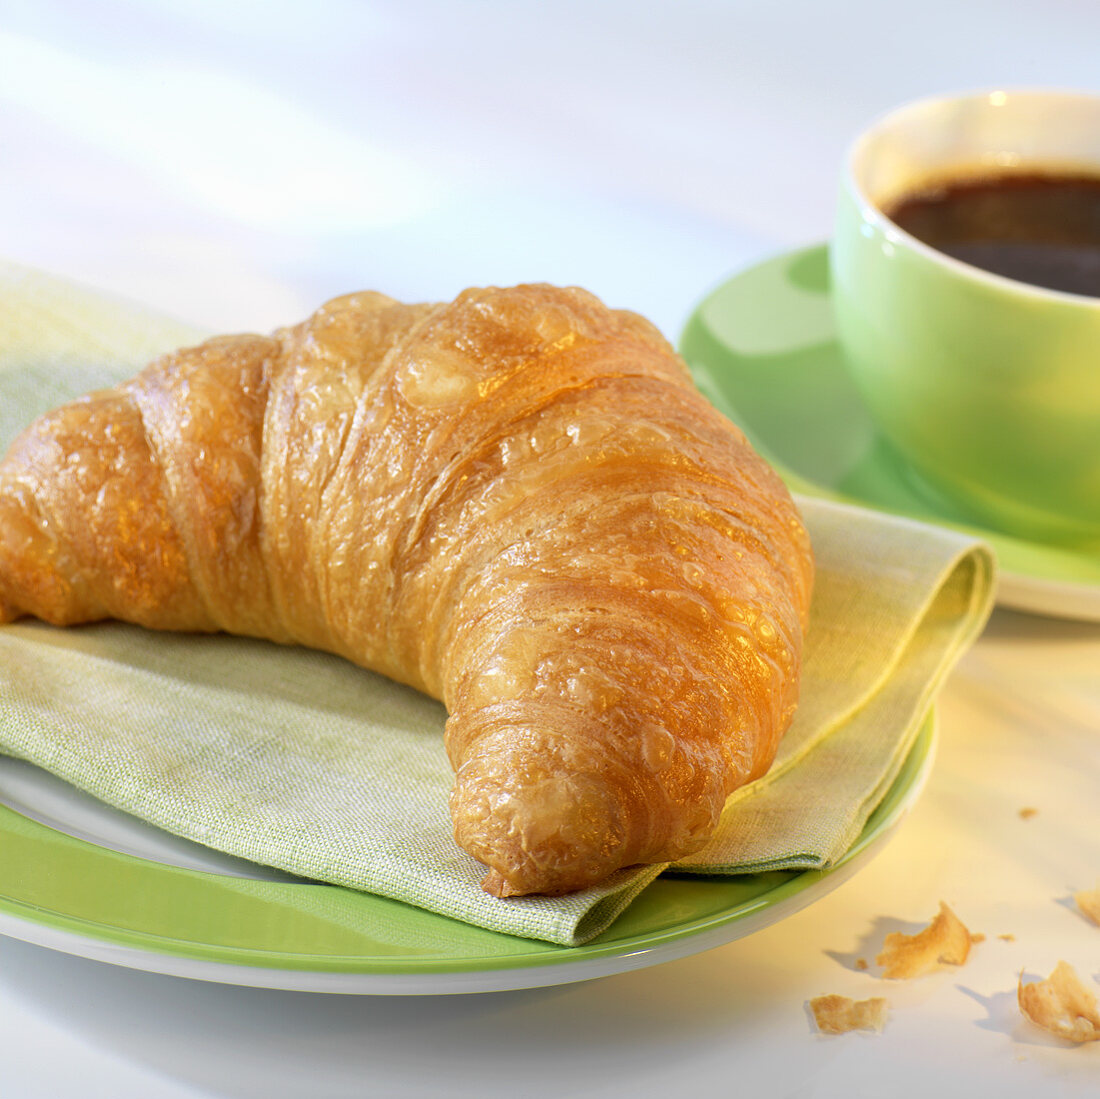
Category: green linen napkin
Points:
column 299, row 760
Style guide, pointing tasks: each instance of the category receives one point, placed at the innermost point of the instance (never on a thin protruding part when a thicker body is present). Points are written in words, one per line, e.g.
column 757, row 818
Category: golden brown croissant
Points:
column 516, row 502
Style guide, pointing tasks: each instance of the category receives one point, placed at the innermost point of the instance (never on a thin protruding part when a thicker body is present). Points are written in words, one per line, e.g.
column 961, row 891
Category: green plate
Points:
column 763, row 348
column 77, row 895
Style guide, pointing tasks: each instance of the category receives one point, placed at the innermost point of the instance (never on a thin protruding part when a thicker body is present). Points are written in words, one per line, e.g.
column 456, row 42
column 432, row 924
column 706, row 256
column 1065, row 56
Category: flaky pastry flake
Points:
column 1061, row 1004
column 840, row 1014
column 945, row 939
column 1088, row 900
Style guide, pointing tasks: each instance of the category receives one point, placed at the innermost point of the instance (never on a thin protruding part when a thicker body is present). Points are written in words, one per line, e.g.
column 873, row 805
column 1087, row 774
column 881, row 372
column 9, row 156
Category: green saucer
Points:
column 75, row 894
column 763, row 348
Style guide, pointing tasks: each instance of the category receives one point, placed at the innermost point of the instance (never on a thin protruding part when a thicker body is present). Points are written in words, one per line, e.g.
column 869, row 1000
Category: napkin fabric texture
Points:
column 301, row 761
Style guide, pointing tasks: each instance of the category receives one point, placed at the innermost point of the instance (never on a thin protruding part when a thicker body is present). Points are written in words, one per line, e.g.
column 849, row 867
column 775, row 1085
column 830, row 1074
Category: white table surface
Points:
column 237, row 163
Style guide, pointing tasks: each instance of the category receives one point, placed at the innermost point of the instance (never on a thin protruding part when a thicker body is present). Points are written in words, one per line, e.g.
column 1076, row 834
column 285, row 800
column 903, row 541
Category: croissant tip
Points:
column 496, row 885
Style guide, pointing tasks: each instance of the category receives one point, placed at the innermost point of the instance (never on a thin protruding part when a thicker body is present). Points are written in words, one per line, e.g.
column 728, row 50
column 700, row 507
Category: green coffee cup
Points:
column 988, row 387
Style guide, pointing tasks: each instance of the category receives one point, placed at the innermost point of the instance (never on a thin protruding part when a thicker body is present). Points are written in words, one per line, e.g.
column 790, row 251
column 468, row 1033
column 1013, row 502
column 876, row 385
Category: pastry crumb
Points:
column 1007, row 937
column 1061, row 1004
column 945, row 939
column 1028, row 812
column 1088, row 900
column 861, row 963
column 839, row 1014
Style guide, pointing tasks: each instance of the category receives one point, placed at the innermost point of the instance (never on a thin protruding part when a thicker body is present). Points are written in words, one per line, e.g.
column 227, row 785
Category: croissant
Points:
column 516, row 502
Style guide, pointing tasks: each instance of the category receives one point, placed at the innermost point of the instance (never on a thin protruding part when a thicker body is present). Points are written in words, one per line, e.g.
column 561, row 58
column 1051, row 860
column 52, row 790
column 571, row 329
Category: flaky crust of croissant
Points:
column 516, row 502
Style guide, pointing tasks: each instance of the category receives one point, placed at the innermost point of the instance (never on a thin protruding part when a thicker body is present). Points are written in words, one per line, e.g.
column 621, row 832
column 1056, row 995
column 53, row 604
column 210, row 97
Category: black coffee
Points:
column 1034, row 227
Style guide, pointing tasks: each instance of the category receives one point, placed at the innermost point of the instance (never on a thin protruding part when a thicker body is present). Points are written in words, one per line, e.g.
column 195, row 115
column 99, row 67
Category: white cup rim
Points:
column 871, row 212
